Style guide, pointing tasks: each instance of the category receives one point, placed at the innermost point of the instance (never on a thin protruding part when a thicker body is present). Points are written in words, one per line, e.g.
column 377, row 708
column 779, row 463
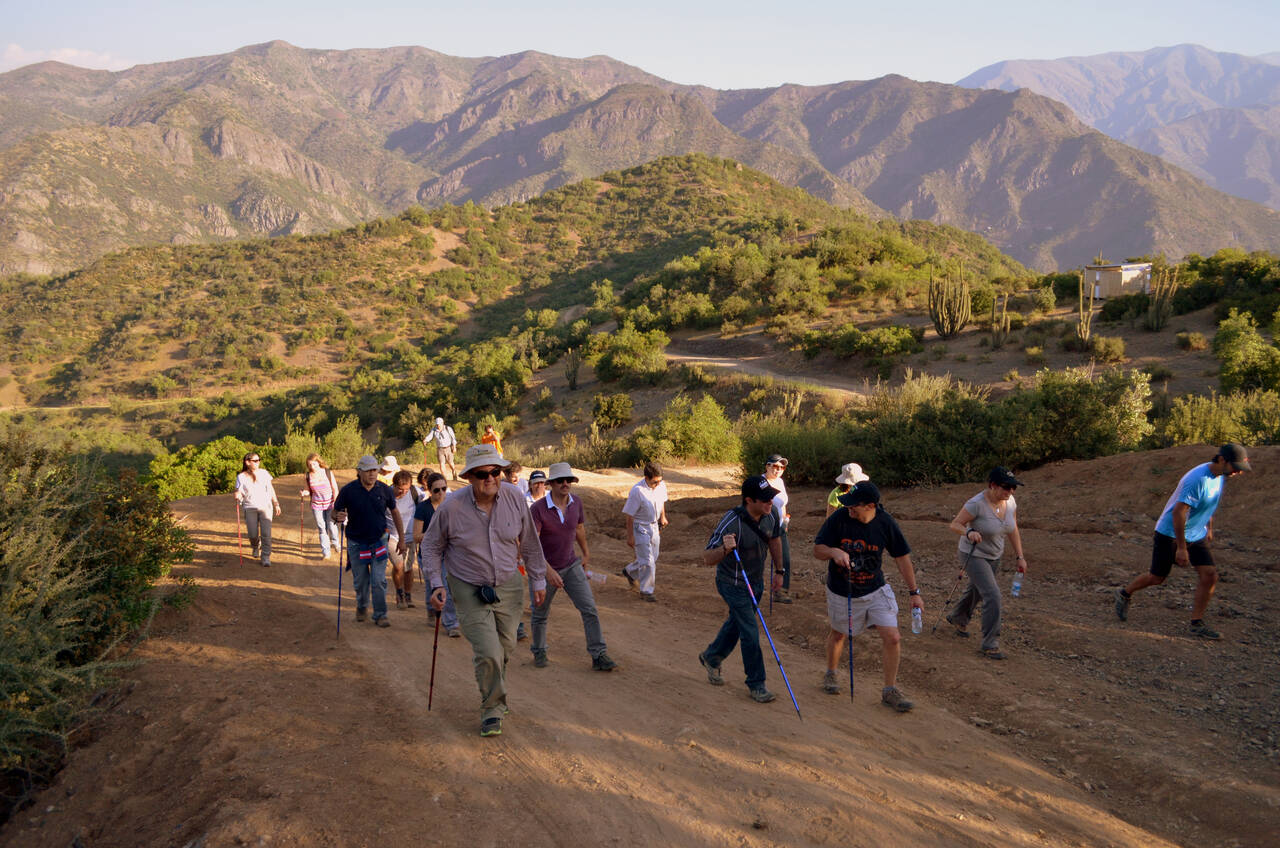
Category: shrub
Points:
column 1158, row 373
column 343, row 446
column 1192, row 341
column 1124, row 307
column 1246, row 417
column 697, row 432
column 1248, row 362
column 1035, row 355
column 215, row 463
column 1043, row 300
column 631, row 356
column 1108, row 348
column 611, row 411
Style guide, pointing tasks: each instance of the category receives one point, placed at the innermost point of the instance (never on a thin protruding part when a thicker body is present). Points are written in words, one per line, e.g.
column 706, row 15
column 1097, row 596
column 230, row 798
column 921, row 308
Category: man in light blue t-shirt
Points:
column 1184, row 532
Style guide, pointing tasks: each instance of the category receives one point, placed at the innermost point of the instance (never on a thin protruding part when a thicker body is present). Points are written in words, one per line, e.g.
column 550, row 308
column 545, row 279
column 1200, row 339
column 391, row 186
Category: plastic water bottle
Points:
column 917, row 620
column 596, row 577
column 1017, row 583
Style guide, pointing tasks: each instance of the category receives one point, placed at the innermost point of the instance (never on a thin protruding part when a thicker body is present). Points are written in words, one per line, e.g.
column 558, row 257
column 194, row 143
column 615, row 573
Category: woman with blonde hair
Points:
column 256, row 497
column 322, row 488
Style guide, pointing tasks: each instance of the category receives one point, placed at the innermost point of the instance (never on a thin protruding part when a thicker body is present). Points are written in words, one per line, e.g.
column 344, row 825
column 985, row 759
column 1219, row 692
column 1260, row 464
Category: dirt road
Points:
column 249, row 723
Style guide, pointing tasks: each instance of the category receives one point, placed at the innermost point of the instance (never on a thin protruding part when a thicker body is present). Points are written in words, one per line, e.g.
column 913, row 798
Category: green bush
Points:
column 1245, row 417
column 215, row 463
column 631, row 356
column 343, row 446
column 814, row 454
column 611, row 411
column 1107, row 348
column 693, row 432
column 1192, row 341
column 1124, row 307
column 1247, row 361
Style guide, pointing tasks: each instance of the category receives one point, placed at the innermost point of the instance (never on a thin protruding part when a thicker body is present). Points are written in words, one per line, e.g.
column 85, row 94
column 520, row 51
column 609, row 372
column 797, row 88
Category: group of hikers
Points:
column 478, row 546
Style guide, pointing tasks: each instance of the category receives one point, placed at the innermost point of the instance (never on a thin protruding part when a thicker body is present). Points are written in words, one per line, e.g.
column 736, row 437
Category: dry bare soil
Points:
column 250, row 722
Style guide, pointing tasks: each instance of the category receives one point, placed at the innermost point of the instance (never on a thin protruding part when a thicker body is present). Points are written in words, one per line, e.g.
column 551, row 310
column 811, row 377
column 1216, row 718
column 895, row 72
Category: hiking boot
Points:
column 266, row 563
column 960, row 628
column 891, row 696
column 829, row 683
column 1122, row 605
column 540, row 659
column 361, row 615
column 603, row 663
column 454, row 633
column 762, row 695
column 383, row 622
column 408, row 600
column 491, row 727
column 650, row 598
column 713, row 671
column 781, row 598
column 400, row 602
column 992, row 653
column 521, row 634
column 631, row 581
column 1203, row 631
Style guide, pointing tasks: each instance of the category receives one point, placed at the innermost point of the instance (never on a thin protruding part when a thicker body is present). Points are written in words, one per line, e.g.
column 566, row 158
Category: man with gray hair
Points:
column 561, row 522
column 446, row 442
column 363, row 505
column 477, row 535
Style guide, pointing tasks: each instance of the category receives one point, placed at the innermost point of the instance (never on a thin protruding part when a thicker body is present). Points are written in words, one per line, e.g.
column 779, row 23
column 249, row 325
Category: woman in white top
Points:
column 773, row 468
column 983, row 524
column 401, row 567
column 256, row 497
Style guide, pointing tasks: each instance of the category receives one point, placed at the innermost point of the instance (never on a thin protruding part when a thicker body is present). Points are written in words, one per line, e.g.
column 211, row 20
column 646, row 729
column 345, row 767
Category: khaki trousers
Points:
column 491, row 630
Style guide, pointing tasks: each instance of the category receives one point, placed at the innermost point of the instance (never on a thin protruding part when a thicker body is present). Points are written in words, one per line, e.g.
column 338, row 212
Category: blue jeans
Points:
column 328, row 530
column 739, row 627
column 368, row 561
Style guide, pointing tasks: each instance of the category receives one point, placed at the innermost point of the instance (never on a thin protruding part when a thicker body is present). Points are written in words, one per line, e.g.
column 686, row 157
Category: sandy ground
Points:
column 249, row 722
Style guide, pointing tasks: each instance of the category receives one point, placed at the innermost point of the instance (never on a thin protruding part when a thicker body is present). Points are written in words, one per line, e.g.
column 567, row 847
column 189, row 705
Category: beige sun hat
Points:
column 851, row 474
column 481, row 455
column 561, row 470
column 389, row 464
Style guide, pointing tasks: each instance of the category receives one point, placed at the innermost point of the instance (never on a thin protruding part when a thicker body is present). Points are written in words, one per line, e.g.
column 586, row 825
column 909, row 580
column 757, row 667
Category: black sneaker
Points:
column 603, row 663
column 540, row 659
column 762, row 695
column 713, row 671
column 631, row 581
column 1122, row 605
column 1201, row 630
column 890, row 696
column 361, row 615
column 491, row 727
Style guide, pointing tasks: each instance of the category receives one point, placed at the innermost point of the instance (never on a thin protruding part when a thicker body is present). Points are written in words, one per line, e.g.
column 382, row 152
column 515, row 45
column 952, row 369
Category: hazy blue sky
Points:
column 741, row 44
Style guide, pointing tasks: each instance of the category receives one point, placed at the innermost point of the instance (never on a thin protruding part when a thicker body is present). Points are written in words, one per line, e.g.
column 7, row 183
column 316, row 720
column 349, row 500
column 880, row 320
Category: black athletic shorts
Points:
column 1164, row 547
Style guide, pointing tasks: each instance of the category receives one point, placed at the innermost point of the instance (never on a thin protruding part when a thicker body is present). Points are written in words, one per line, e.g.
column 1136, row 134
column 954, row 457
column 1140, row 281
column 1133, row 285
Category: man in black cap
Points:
column 737, row 547
column 852, row 540
column 1184, row 532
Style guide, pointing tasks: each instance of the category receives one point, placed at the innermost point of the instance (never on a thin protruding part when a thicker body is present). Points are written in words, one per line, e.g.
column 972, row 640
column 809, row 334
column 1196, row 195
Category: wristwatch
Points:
column 914, row 592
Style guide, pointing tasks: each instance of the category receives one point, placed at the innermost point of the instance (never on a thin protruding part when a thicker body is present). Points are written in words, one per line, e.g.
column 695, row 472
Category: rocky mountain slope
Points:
column 273, row 139
column 1211, row 113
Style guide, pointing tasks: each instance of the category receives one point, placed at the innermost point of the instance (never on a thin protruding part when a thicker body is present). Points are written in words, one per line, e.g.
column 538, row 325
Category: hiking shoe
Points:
column 603, row 663
column 1203, row 631
column 454, row 633
column 540, row 659
column 325, row 555
column 829, row 683
column 361, row 615
column 781, row 598
column 992, row 653
column 713, row 671
column 650, row 598
column 408, row 601
column 631, row 581
column 762, row 695
column 960, row 628
column 891, row 696
column 399, row 603
column 522, row 635
column 1122, row 605
column 383, row 622
column 266, row 563
column 491, row 727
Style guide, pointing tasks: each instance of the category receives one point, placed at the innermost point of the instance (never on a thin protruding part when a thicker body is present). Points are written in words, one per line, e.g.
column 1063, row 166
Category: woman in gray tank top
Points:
column 984, row 523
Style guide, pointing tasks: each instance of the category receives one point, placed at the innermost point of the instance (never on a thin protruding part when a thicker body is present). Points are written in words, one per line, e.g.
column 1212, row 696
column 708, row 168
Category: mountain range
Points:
column 1217, row 115
column 274, row 139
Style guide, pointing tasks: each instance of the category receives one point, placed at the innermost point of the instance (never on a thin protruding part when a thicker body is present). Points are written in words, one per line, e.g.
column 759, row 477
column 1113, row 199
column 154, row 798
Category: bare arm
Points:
column 775, row 551
column 1180, row 513
column 712, row 556
column 837, row 555
column 631, row 530
column 960, row 526
column 909, row 577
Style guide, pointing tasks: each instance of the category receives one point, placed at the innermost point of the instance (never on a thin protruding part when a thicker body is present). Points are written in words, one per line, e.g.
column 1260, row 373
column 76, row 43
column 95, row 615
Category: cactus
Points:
column 1160, row 302
column 1000, row 323
column 1084, row 314
column 949, row 304
column 572, row 362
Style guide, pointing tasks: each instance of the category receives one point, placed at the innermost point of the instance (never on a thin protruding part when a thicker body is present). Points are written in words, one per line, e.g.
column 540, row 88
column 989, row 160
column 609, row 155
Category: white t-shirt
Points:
column 781, row 499
column 256, row 493
column 644, row 504
column 405, row 505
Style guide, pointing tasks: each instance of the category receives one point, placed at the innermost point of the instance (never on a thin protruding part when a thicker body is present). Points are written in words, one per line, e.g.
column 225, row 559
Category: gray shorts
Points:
column 879, row 609
column 444, row 456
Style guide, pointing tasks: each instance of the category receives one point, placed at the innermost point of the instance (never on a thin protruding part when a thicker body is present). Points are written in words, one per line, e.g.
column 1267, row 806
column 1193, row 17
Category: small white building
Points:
column 1119, row 278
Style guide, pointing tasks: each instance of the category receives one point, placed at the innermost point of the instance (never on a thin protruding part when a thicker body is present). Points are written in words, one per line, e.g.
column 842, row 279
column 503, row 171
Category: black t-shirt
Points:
column 864, row 543
column 423, row 512
column 752, row 549
column 366, row 510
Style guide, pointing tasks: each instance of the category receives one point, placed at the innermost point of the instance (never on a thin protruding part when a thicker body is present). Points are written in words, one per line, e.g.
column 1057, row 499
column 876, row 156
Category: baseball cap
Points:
column 537, row 477
column 864, row 492
column 757, row 488
column 1002, row 476
column 1236, row 455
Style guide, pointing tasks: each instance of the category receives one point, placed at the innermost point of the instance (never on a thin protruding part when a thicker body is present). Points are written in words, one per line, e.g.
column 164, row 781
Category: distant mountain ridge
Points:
column 1212, row 113
column 274, row 139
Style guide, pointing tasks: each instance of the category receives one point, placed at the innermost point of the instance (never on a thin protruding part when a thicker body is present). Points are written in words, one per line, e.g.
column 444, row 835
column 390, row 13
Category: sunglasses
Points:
column 253, row 459
column 491, row 474
column 439, row 489
column 1006, row 488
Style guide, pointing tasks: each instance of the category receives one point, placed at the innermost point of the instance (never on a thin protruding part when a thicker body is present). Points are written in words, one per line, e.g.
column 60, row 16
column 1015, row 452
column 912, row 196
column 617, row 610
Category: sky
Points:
column 741, row 44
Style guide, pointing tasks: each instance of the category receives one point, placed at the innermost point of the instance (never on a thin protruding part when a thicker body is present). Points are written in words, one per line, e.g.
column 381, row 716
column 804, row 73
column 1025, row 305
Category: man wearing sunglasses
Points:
column 475, row 538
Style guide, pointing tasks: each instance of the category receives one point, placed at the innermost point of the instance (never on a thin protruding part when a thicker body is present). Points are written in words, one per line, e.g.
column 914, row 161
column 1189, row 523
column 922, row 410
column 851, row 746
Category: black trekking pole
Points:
column 751, row 593
column 342, row 553
column 431, row 687
column 964, row 570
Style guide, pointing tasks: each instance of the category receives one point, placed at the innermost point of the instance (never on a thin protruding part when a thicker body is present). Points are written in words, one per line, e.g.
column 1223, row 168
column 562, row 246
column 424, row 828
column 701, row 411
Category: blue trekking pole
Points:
column 751, row 593
column 849, row 624
column 342, row 553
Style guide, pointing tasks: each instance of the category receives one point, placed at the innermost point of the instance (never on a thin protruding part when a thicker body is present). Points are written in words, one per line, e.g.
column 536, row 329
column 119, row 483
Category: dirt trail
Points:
column 251, row 724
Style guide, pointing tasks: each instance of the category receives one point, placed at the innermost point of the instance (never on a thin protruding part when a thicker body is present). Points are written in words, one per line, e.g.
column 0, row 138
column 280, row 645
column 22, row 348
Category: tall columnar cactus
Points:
column 1160, row 302
column 949, row 304
column 572, row 362
column 999, row 322
column 1084, row 314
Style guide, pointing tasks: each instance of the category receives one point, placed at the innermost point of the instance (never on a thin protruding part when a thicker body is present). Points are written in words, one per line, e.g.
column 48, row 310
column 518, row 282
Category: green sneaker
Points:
column 491, row 727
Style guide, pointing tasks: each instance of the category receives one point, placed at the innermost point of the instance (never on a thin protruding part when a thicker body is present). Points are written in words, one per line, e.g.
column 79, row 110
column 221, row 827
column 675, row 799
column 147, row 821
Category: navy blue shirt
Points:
column 366, row 510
